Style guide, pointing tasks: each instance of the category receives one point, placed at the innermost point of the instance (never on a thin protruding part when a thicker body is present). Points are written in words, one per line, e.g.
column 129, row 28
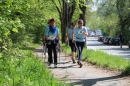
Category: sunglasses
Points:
column 80, row 23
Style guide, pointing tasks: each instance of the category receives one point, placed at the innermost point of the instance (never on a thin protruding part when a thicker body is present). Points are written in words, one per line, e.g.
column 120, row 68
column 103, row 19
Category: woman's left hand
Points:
column 85, row 33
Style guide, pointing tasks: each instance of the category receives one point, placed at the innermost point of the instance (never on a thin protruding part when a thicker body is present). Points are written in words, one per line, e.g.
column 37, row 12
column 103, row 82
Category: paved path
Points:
column 88, row 75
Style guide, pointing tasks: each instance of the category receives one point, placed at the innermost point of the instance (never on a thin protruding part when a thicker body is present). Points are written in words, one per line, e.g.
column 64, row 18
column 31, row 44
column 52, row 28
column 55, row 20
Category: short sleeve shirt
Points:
column 50, row 35
column 79, row 36
column 70, row 33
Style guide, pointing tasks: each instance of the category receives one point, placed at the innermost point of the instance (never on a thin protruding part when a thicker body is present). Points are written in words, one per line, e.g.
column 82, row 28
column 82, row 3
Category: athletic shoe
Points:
column 74, row 61
column 80, row 65
column 49, row 64
column 78, row 62
column 55, row 66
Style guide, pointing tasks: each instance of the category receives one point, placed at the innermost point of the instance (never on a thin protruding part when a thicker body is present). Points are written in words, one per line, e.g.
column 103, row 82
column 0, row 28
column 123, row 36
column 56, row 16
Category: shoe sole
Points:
column 55, row 66
column 80, row 65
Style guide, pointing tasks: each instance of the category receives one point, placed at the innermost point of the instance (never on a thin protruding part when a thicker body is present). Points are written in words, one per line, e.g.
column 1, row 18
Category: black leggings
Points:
column 51, row 48
column 79, row 46
column 72, row 45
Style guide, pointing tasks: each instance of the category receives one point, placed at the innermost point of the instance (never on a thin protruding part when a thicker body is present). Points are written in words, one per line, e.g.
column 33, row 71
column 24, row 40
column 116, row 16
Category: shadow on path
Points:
column 38, row 50
column 91, row 82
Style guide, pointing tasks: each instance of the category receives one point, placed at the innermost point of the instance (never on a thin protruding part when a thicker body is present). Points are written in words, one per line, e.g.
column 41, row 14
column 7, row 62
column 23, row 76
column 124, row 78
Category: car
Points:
column 106, row 40
column 129, row 44
column 92, row 34
column 100, row 38
column 98, row 32
column 114, row 41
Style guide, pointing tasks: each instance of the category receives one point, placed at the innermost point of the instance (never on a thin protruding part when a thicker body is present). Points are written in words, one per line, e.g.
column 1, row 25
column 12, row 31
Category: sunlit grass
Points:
column 19, row 67
column 103, row 59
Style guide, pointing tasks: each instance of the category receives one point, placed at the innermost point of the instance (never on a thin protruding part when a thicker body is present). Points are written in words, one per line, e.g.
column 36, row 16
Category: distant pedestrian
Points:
column 53, row 38
column 80, row 34
column 121, row 39
column 71, row 44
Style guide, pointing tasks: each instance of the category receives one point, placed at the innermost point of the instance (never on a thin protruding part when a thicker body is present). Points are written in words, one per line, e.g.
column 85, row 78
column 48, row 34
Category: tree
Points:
column 23, row 21
column 62, row 9
column 119, row 9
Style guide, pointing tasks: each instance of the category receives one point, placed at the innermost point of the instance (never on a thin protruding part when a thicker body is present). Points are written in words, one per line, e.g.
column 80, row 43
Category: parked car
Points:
column 114, row 41
column 129, row 44
column 100, row 38
column 106, row 40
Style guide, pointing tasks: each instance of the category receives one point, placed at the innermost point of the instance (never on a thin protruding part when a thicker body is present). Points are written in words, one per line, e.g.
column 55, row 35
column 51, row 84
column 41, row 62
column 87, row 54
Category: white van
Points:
column 98, row 33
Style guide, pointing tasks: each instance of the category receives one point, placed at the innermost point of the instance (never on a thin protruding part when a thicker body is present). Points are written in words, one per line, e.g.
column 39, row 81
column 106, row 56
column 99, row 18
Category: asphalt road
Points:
column 124, row 52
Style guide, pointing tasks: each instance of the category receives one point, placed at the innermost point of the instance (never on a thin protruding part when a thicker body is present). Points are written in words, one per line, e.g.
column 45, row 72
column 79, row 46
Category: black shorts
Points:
column 72, row 45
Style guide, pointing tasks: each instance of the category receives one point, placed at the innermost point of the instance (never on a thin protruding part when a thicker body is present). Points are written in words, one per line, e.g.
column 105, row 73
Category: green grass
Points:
column 102, row 59
column 19, row 67
column 66, row 49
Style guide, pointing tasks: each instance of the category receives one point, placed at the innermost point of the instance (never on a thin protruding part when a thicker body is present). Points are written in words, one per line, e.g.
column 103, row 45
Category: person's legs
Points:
column 55, row 54
column 50, row 55
column 78, row 50
column 80, row 46
column 73, row 50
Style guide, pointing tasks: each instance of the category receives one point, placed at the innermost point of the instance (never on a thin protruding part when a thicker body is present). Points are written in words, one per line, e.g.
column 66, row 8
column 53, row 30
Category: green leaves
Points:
column 15, row 30
column 25, row 70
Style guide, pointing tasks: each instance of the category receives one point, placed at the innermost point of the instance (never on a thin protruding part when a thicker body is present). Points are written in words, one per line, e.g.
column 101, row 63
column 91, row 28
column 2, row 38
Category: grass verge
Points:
column 100, row 58
column 19, row 67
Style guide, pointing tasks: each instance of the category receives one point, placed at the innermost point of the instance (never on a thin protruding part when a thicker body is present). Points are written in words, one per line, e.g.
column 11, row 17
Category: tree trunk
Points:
column 68, row 11
column 83, row 15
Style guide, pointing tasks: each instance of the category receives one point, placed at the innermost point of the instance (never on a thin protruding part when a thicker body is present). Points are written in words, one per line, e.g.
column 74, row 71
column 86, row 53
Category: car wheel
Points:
column 129, row 46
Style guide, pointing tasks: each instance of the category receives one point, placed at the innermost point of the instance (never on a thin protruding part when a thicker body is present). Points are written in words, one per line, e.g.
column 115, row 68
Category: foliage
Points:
column 70, row 12
column 24, row 20
column 19, row 67
column 116, row 14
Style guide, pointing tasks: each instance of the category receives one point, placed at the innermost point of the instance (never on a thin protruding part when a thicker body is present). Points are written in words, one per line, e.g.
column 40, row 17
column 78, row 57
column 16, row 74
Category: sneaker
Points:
column 49, row 64
column 80, row 65
column 74, row 61
column 78, row 62
column 55, row 66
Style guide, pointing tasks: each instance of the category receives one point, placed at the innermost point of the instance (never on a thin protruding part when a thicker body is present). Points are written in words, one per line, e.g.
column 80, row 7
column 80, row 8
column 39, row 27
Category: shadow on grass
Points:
column 91, row 82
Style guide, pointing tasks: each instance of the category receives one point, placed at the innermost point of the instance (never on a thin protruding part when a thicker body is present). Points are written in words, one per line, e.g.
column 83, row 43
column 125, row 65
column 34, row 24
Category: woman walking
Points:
column 53, row 38
column 71, row 44
column 80, row 34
